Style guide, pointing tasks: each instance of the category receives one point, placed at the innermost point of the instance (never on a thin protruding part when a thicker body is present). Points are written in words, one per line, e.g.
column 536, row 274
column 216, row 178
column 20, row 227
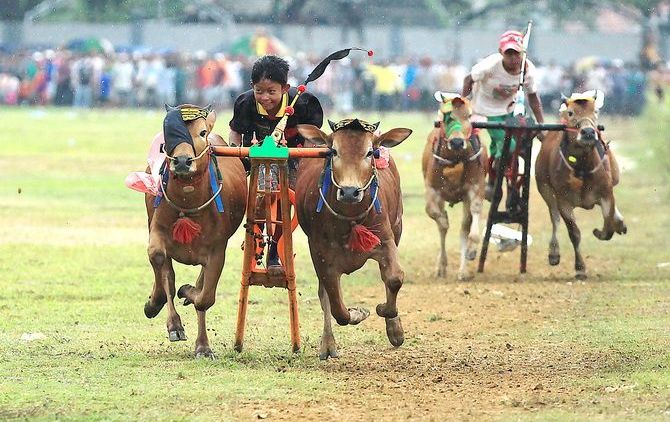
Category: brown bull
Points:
column 576, row 168
column 187, row 226
column 358, row 203
column 454, row 171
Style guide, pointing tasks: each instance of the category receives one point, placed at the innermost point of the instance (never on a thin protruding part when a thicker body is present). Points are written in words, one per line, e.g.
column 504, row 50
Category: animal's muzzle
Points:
column 456, row 143
column 182, row 164
column 349, row 194
column 588, row 136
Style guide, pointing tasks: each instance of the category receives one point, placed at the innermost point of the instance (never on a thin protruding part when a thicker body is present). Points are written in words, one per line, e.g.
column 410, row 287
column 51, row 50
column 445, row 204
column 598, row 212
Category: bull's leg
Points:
column 202, row 349
column 393, row 277
column 612, row 219
column 203, row 295
column 575, row 237
column 330, row 280
column 555, row 216
column 435, row 210
column 164, row 273
column 328, row 347
column 472, row 207
column 158, row 297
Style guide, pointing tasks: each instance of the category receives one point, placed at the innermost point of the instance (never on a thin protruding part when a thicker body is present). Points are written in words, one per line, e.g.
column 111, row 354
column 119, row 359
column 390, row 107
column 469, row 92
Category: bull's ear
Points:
column 314, row 135
column 598, row 99
column 393, row 137
column 210, row 119
column 564, row 99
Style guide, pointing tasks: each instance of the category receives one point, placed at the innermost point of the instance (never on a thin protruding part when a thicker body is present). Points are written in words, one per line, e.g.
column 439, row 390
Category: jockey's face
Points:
column 511, row 61
column 269, row 93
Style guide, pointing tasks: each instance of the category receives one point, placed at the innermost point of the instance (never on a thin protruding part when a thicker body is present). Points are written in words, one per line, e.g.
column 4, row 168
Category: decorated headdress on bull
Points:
column 175, row 131
column 451, row 103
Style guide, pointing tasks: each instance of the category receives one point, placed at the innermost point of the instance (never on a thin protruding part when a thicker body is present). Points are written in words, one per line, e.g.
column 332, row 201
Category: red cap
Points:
column 301, row 88
column 511, row 40
column 289, row 110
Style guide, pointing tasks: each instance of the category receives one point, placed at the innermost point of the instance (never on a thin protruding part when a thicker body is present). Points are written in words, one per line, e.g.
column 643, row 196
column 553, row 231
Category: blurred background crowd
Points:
column 201, row 51
column 63, row 77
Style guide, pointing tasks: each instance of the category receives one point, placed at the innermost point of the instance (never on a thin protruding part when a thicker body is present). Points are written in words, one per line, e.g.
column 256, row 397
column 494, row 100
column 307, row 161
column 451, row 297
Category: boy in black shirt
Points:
column 257, row 112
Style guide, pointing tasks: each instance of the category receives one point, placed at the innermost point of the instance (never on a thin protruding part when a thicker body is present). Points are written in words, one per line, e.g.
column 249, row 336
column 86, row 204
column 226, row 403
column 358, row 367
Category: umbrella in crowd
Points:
column 91, row 45
column 258, row 45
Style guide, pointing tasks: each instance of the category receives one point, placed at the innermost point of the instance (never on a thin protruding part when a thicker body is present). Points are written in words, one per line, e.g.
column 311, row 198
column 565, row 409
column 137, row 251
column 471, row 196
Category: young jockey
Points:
column 257, row 112
column 494, row 82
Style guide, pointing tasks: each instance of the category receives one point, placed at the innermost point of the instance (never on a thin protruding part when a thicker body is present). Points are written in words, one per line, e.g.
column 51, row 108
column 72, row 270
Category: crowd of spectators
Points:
column 127, row 79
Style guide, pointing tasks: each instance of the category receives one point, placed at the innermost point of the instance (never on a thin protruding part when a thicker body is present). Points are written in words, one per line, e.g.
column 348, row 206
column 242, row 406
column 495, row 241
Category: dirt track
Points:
column 461, row 358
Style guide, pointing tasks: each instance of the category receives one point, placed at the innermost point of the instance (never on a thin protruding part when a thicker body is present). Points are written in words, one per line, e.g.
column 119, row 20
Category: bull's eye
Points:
column 333, row 152
column 203, row 133
column 369, row 154
column 570, row 113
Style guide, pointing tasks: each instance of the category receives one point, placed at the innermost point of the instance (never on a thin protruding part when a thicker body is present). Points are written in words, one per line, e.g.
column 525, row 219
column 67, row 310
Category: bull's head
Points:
column 457, row 127
column 353, row 144
column 580, row 113
column 185, row 129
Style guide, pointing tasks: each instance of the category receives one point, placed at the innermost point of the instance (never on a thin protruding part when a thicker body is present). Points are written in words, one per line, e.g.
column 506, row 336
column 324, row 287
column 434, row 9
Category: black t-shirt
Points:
column 248, row 118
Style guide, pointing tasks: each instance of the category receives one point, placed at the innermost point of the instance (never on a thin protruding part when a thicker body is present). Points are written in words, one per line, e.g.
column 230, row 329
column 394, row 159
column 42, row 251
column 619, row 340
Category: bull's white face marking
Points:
column 352, row 158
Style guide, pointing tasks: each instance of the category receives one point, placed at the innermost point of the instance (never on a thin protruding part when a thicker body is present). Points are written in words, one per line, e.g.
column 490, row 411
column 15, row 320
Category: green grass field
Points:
column 73, row 268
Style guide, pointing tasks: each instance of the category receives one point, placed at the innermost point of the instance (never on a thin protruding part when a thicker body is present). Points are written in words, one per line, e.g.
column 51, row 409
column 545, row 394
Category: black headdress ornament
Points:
column 353, row 124
column 338, row 55
column 174, row 125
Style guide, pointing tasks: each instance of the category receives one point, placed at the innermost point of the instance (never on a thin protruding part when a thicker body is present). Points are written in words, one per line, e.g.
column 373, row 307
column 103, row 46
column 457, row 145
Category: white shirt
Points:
column 494, row 89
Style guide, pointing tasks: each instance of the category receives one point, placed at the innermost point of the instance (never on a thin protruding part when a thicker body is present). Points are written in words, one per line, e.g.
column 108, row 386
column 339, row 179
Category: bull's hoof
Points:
column 204, row 353
column 151, row 310
column 554, row 259
column 581, row 275
column 622, row 229
column 357, row 315
column 394, row 331
column 328, row 349
column 602, row 235
column 182, row 294
column 177, row 335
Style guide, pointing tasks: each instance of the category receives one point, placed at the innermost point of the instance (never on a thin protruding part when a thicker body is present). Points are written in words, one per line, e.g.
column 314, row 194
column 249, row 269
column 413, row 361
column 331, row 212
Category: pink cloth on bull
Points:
column 384, row 157
column 145, row 182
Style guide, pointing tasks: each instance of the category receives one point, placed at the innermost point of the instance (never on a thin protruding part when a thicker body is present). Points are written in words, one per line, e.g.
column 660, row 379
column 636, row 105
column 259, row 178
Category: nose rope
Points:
column 373, row 202
column 571, row 166
column 204, row 151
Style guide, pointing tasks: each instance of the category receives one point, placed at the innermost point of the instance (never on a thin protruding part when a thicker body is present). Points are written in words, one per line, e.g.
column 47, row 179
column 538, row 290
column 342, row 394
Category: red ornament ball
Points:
column 301, row 88
column 289, row 110
column 371, row 53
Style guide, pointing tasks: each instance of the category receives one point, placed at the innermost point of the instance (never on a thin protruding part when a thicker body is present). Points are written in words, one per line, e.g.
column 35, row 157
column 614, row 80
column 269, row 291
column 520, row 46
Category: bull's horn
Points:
column 332, row 125
column 169, row 107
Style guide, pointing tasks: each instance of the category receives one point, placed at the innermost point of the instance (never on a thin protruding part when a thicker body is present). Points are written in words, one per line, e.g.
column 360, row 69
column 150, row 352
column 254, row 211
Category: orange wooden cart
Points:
column 260, row 226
